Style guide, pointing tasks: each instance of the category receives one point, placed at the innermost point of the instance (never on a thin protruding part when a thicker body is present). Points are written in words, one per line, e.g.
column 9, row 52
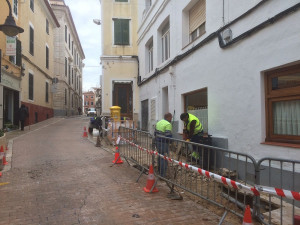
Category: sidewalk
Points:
column 12, row 135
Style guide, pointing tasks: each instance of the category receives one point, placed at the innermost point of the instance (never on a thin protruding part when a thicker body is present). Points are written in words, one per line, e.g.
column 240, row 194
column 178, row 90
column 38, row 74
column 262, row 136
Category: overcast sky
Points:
column 83, row 13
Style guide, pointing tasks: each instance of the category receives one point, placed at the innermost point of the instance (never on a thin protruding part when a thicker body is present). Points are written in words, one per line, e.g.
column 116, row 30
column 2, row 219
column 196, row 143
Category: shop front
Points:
column 9, row 101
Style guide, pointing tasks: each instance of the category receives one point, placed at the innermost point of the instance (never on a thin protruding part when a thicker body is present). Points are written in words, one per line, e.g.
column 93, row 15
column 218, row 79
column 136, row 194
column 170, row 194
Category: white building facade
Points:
column 234, row 64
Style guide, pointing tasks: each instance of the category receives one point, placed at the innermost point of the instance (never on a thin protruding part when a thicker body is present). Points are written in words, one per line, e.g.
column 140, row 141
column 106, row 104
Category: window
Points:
column 197, row 18
column 66, row 66
column 66, row 34
column 31, row 40
column 149, row 57
column 32, row 5
column 72, row 48
column 72, row 76
column 47, row 57
column 30, row 86
column 69, row 41
column 69, row 73
column 92, row 96
column 66, row 96
column 165, row 40
column 92, row 103
column 15, row 7
column 282, row 87
column 47, row 26
column 121, row 31
column 47, row 92
column 121, row 0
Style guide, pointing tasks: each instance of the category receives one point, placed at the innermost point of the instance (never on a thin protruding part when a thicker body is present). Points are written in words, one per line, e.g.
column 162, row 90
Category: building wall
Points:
column 233, row 76
column 114, row 66
column 36, row 63
column 11, row 77
column 63, row 100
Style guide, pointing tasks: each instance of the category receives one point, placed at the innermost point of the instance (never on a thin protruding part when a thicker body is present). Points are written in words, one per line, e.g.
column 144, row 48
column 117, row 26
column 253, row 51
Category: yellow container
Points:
column 115, row 112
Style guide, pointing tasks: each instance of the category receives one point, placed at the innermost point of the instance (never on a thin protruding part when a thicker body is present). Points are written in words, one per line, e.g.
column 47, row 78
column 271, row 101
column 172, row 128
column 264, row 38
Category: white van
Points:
column 91, row 112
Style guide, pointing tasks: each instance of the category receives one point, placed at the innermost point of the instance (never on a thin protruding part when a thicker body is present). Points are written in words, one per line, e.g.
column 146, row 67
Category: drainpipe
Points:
column 138, row 62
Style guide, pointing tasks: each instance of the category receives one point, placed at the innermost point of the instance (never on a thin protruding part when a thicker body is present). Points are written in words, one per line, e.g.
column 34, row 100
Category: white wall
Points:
column 233, row 76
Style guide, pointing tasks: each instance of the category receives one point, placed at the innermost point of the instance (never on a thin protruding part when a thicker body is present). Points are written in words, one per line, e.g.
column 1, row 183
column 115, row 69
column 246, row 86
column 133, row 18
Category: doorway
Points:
column 122, row 97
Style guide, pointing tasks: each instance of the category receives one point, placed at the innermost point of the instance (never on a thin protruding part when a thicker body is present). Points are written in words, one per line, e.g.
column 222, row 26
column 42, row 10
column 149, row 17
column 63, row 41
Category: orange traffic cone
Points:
column 150, row 181
column 118, row 159
column 247, row 216
column 2, row 154
column 84, row 132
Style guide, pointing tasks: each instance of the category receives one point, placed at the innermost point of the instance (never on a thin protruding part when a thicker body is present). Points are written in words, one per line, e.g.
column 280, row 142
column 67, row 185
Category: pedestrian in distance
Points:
column 23, row 114
column 163, row 130
column 193, row 131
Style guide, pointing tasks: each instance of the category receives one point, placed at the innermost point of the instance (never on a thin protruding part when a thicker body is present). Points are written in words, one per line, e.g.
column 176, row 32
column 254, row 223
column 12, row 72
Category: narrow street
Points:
column 59, row 177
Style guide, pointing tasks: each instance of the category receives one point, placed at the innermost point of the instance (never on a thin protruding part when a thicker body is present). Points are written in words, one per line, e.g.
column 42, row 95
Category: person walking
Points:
column 193, row 131
column 163, row 128
column 23, row 114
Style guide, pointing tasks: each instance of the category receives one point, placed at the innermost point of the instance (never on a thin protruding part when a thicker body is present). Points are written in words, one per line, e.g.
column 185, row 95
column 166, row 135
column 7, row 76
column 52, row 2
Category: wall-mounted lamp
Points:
column 9, row 27
column 97, row 21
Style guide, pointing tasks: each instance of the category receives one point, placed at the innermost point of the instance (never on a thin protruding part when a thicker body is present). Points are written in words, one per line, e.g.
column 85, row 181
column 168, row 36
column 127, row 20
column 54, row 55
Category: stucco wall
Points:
column 233, row 76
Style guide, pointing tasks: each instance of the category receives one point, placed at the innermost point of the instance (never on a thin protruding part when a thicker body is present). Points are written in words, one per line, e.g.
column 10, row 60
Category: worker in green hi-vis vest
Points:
column 163, row 129
column 193, row 131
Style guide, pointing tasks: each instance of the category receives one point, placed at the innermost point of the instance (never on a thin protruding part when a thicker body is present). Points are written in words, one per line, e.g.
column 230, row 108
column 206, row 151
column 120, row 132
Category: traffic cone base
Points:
column 247, row 216
column 4, row 162
column 150, row 181
column 117, row 159
column 84, row 132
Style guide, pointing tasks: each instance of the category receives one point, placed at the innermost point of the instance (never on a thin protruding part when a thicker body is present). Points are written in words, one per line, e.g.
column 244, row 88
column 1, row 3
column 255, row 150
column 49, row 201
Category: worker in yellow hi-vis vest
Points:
column 163, row 131
column 193, row 130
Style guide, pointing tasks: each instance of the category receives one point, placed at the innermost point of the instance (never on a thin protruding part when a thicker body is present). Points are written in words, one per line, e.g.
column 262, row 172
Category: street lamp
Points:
column 97, row 21
column 10, row 28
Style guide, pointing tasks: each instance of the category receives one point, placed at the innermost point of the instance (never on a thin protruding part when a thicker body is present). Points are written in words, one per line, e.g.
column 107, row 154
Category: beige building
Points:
column 39, row 23
column 119, row 57
column 10, row 78
column 67, row 91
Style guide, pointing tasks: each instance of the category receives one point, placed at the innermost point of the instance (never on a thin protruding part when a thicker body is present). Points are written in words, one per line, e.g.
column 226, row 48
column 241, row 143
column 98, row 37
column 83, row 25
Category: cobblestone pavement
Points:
column 59, row 177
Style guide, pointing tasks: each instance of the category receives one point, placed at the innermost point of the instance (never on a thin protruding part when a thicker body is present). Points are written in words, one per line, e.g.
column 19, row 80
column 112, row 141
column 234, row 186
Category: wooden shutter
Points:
column 125, row 32
column 197, row 15
column 121, row 31
column 31, row 41
column 30, row 86
column 19, row 53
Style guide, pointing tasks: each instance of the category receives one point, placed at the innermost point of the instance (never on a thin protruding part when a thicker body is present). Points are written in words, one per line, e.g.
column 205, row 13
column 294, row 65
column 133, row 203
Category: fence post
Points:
column 256, row 207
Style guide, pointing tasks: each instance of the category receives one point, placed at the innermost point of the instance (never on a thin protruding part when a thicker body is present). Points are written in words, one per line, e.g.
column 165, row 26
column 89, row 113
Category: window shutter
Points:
column 118, row 31
column 197, row 15
column 19, row 53
column 125, row 33
column 30, row 86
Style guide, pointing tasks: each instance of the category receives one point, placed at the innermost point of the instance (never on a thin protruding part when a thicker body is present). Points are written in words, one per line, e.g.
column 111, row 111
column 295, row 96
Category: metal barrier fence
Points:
column 277, row 204
column 230, row 180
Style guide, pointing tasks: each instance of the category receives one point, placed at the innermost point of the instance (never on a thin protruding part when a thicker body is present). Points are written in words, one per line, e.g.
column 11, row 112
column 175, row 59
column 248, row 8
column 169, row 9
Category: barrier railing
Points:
column 276, row 177
column 230, row 180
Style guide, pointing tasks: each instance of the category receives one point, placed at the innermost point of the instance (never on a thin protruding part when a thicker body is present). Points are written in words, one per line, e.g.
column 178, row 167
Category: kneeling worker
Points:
column 163, row 128
column 193, row 130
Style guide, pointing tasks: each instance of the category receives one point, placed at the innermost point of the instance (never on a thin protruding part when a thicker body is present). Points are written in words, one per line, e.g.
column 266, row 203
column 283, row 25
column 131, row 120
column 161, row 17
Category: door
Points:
column 122, row 97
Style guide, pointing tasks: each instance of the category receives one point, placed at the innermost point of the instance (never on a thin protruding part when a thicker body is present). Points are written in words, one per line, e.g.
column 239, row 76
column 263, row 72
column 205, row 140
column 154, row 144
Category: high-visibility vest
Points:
column 198, row 125
column 163, row 127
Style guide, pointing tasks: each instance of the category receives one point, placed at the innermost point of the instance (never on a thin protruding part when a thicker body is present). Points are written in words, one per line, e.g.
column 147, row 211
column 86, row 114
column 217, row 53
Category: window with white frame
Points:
column 47, row 57
column 149, row 57
column 47, row 26
column 31, row 40
column 165, row 41
column 197, row 18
